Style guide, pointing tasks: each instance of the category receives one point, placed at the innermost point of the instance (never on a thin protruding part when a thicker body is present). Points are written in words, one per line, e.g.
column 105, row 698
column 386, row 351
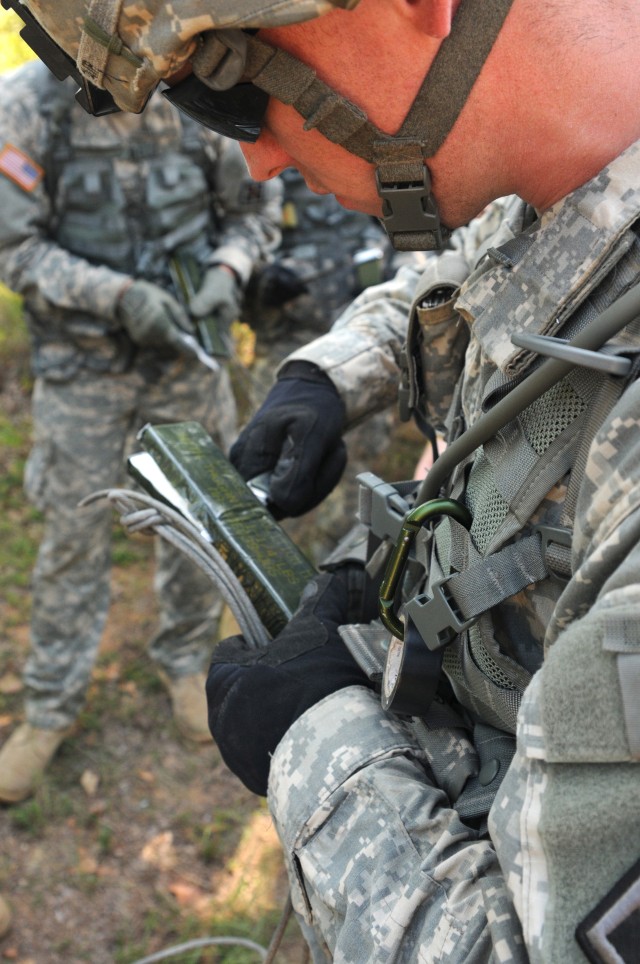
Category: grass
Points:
column 29, row 817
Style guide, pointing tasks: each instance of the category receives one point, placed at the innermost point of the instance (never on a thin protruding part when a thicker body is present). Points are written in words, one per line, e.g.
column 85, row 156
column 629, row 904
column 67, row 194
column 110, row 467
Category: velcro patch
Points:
column 20, row 168
column 610, row 934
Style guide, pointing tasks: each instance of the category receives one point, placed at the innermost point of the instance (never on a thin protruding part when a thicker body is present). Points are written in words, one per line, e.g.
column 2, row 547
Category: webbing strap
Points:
column 454, row 71
column 412, row 222
column 99, row 40
column 433, row 113
column 454, row 603
column 285, row 77
column 497, row 577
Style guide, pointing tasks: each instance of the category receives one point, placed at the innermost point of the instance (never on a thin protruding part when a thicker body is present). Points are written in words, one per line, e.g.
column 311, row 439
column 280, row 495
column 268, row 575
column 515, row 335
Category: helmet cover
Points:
column 128, row 46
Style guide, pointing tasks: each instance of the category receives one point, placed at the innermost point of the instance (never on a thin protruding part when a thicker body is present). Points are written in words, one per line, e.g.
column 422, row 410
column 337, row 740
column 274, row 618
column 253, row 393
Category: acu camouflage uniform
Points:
column 119, row 194
column 388, row 859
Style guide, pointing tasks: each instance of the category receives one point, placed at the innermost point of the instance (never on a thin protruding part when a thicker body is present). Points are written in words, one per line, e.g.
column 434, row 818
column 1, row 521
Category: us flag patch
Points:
column 20, row 168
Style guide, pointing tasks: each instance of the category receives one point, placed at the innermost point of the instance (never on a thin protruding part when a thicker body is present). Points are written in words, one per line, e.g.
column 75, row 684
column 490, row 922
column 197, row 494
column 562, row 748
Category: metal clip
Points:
column 398, row 560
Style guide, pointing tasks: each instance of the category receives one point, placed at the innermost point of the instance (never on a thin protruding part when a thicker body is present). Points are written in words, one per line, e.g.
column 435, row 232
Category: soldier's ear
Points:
column 432, row 17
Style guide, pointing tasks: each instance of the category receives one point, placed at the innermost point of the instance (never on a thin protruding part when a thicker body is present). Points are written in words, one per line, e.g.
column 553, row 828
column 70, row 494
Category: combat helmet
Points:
column 120, row 50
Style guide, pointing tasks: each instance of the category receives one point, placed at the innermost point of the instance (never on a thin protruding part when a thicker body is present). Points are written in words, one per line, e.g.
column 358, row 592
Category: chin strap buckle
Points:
column 410, row 214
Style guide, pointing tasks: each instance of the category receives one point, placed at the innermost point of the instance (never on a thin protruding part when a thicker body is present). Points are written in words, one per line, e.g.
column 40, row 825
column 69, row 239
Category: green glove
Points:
column 153, row 318
column 218, row 295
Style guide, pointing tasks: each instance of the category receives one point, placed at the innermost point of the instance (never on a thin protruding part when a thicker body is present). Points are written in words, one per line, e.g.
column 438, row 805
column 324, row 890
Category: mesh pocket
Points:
column 550, row 414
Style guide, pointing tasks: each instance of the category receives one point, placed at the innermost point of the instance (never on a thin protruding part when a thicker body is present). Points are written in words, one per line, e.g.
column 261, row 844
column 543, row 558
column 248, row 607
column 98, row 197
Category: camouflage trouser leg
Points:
column 81, row 432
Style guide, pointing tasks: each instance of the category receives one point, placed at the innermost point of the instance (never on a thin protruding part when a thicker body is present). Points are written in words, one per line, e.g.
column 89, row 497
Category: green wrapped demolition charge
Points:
column 269, row 566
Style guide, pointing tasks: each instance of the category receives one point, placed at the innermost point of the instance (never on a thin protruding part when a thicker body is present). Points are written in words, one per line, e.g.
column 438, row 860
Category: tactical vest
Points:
column 482, row 594
column 327, row 257
column 130, row 223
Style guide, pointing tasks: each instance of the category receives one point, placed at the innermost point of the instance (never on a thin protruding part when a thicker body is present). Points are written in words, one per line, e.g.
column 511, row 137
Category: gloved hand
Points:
column 219, row 295
column 255, row 695
column 153, row 318
column 296, row 435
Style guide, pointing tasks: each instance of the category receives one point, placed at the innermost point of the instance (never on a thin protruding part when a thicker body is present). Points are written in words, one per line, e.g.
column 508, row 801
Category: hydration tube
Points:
column 616, row 317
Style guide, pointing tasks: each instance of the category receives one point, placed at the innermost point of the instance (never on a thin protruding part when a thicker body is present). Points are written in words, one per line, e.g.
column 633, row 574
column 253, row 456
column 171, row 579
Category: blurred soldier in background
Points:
column 328, row 255
column 127, row 238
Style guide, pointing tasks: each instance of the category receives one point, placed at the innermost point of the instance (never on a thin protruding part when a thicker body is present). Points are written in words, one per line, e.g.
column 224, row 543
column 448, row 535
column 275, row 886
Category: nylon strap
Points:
column 400, row 158
column 476, row 590
column 498, row 576
column 433, row 113
column 454, row 72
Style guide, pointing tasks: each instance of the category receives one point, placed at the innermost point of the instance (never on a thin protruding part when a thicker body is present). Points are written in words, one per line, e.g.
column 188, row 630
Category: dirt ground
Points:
column 136, row 840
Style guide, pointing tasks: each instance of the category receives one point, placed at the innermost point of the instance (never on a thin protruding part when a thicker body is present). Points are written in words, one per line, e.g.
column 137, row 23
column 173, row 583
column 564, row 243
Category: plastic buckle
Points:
column 388, row 506
column 409, row 207
column 435, row 618
column 559, row 535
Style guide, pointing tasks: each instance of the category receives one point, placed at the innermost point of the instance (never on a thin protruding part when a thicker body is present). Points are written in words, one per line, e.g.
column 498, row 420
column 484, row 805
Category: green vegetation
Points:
column 13, row 50
column 29, row 817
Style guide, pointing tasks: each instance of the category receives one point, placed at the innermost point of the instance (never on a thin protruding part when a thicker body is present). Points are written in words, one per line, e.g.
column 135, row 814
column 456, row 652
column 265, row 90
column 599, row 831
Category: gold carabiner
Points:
column 412, row 524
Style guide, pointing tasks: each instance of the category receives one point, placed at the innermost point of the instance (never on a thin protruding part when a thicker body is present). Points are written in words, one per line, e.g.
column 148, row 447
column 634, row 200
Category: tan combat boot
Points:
column 5, row 917
column 189, row 702
column 24, row 758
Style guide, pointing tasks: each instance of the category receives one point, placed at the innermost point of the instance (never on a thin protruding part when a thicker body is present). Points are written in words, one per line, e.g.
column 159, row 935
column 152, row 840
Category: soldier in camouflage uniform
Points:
column 328, row 255
column 92, row 213
column 533, row 561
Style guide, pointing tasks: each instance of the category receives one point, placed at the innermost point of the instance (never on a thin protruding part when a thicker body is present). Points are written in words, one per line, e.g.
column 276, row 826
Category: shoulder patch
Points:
column 611, row 932
column 20, row 168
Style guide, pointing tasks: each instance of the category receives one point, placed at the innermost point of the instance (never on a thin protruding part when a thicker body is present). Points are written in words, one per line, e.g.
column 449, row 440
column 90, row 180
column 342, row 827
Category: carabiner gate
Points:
column 412, row 524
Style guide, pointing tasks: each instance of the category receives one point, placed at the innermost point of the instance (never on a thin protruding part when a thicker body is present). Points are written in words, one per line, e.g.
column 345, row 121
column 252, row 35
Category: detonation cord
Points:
column 157, row 518
column 267, row 954
column 142, row 513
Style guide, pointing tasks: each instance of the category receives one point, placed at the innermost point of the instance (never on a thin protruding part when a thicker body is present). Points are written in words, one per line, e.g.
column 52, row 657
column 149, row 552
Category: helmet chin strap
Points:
column 410, row 212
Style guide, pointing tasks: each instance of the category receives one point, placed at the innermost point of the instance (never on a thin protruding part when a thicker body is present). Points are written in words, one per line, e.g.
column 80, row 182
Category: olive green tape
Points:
column 270, row 567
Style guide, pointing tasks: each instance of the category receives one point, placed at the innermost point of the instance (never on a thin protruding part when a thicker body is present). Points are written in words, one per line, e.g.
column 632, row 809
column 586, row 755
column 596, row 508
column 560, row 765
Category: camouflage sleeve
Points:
column 567, row 819
column 30, row 262
column 251, row 213
column 380, row 866
column 361, row 353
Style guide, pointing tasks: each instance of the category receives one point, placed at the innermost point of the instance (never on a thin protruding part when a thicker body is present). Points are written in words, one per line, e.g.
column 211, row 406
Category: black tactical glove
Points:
column 153, row 318
column 296, row 435
column 255, row 695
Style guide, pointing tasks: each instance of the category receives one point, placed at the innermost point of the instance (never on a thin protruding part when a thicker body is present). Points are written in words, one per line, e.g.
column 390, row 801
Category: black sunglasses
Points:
column 237, row 112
